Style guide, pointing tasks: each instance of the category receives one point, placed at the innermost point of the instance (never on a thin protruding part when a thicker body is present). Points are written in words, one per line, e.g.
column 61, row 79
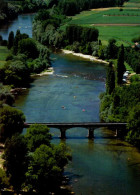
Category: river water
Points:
column 102, row 166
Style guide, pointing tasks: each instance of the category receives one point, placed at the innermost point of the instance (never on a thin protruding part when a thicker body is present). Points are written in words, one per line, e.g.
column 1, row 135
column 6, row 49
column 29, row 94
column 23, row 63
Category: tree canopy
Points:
column 11, row 122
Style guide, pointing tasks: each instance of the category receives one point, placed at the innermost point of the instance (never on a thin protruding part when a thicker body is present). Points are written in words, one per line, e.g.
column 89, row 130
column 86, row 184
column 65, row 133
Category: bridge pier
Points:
column 63, row 133
column 90, row 133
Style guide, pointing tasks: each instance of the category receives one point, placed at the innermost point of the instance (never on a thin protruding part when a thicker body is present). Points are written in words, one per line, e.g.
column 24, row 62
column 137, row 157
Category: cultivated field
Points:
column 123, row 24
column 112, row 16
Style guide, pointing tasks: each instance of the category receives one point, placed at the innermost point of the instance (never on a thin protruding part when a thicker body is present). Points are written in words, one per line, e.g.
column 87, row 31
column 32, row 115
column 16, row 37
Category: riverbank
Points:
column 49, row 71
column 91, row 58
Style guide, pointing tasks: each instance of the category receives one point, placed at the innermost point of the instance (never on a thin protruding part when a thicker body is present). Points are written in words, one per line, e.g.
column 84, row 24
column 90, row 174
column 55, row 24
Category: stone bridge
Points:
column 91, row 126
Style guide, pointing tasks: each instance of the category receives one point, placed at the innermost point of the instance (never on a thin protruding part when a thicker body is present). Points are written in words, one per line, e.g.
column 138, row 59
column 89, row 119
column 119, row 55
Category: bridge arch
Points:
column 91, row 126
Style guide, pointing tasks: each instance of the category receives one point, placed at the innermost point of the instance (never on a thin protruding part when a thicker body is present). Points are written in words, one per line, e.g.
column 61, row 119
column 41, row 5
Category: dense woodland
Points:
column 8, row 11
column 26, row 57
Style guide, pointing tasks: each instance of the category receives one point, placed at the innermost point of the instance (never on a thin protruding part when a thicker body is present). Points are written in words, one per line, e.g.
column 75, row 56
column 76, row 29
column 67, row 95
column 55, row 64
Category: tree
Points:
column 37, row 135
column 111, row 52
column 45, row 170
column 16, row 40
column 16, row 160
column 110, row 79
column 16, row 73
column 11, row 122
column 120, row 65
column 28, row 47
column 10, row 40
column 133, row 126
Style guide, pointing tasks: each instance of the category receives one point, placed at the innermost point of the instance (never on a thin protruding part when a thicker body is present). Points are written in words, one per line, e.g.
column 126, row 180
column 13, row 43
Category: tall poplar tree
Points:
column 120, row 65
column 10, row 40
column 110, row 79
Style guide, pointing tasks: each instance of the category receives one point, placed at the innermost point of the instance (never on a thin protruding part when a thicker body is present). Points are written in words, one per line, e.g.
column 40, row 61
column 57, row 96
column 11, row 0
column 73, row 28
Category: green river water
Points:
column 103, row 166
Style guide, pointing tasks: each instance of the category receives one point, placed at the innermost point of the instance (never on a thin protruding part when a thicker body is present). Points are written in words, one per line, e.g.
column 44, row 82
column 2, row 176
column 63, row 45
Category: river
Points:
column 102, row 166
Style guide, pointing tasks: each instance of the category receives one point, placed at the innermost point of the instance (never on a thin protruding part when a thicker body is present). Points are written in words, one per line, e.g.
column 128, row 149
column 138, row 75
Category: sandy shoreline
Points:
column 49, row 71
column 89, row 57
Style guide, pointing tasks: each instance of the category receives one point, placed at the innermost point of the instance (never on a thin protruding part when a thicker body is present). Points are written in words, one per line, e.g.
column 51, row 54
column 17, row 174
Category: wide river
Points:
column 102, row 166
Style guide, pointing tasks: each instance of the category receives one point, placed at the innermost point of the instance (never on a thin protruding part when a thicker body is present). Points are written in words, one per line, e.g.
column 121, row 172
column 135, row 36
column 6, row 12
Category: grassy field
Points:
column 123, row 34
column 112, row 16
column 3, row 54
column 105, row 19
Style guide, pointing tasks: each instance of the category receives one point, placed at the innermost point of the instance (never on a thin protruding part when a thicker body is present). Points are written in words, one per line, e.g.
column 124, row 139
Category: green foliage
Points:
column 135, row 78
column 5, row 96
column 68, row 7
column 110, row 79
column 7, row 11
column 95, row 48
column 105, row 106
column 120, row 65
column 46, row 168
column 132, row 57
column 101, row 52
column 136, row 39
column 31, row 161
column 81, row 34
column 37, row 135
column 15, row 73
column 16, row 40
column 71, row 7
column 117, row 106
column 11, row 122
column 28, row 47
column 133, row 135
column 111, row 52
column 16, row 160
column 10, row 40
column 4, row 181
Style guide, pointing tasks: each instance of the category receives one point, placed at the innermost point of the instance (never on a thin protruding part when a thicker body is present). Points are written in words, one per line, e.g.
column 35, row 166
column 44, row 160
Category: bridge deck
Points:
column 88, row 125
column 80, row 124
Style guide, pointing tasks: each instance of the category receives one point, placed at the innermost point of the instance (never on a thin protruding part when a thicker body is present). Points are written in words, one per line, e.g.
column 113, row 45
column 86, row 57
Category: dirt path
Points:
column 115, row 24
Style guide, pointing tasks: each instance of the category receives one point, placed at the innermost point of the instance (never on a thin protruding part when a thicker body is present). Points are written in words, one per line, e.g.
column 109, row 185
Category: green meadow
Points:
column 3, row 54
column 114, row 22
column 123, row 34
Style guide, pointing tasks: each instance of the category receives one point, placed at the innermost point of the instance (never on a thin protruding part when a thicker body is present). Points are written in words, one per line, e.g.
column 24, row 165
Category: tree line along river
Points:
column 102, row 166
